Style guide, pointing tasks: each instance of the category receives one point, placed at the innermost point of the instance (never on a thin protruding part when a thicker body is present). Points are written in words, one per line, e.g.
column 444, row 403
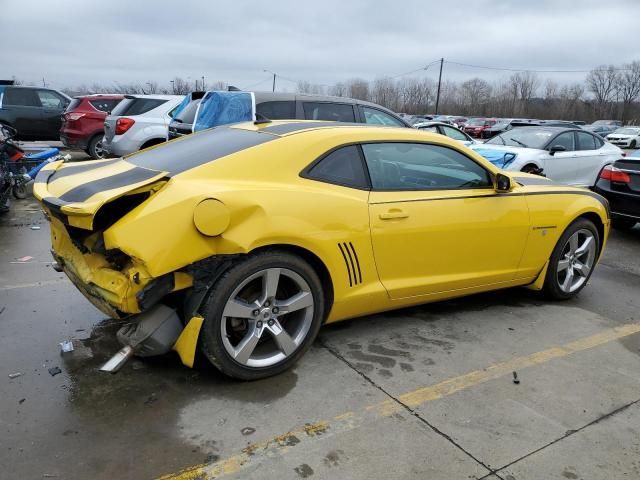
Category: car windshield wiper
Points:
column 519, row 142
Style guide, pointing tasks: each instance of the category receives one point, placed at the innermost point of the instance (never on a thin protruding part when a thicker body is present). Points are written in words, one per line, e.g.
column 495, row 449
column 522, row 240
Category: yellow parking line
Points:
column 351, row 420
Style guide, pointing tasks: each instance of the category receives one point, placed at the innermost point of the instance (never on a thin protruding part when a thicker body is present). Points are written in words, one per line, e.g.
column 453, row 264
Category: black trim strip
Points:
column 83, row 192
column 346, row 262
column 355, row 255
column 353, row 265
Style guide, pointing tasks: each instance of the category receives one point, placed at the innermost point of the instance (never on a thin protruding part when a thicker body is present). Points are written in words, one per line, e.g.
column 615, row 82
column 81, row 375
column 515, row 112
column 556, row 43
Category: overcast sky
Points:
column 74, row 42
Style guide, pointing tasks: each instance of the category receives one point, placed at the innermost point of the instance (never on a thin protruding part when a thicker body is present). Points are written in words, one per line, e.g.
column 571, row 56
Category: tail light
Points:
column 73, row 116
column 124, row 124
column 613, row 174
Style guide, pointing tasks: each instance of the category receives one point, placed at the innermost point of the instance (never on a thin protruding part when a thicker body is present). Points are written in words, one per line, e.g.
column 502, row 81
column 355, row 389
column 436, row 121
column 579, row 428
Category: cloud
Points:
column 71, row 42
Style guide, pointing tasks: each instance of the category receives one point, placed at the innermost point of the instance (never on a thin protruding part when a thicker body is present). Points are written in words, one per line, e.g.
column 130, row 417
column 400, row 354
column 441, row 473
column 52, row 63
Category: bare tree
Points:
column 475, row 94
column 338, row 90
column 358, row 88
column 629, row 86
column 602, row 81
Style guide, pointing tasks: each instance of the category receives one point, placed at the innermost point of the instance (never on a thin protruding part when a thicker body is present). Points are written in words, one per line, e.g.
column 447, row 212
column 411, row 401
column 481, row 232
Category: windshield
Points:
column 526, row 137
column 627, row 131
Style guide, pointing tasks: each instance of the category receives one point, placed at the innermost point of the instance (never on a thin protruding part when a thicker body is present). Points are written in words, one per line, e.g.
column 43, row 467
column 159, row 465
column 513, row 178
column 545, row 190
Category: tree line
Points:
column 607, row 92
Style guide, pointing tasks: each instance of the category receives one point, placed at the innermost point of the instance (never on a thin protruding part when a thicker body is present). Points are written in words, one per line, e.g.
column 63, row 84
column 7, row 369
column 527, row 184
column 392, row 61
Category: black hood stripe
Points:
column 85, row 191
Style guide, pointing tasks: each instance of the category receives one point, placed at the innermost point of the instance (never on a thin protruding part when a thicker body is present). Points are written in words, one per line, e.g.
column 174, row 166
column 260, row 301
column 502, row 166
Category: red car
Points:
column 476, row 126
column 83, row 122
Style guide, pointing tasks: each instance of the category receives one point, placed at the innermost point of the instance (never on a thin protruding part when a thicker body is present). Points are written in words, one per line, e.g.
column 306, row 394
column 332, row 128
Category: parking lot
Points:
column 426, row 392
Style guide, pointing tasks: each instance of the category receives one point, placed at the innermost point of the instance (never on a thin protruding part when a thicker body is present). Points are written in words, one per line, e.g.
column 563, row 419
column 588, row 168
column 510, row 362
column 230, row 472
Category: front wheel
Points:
column 632, row 144
column 572, row 261
column 19, row 191
column 262, row 315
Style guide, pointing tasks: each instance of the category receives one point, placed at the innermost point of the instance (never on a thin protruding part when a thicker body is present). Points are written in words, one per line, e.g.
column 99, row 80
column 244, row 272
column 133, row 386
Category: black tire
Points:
column 211, row 343
column 94, row 147
column 623, row 223
column 530, row 168
column 632, row 144
column 19, row 191
column 551, row 288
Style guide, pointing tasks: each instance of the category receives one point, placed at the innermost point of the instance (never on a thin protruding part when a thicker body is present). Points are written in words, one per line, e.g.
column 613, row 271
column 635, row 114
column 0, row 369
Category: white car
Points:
column 137, row 122
column 626, row 137
column 565, row 155
column 446, row 130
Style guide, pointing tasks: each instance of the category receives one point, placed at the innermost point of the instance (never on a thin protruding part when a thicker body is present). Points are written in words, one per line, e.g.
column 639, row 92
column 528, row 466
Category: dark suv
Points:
column 35, row 112
column 287, row 106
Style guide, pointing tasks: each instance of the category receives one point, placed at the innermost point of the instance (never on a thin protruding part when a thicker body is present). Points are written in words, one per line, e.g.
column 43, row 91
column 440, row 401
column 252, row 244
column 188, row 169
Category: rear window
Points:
column 282, row 110
column 195, row 150
column 74, row 104
column 138, row 106
column 188, row 113
column 335, row 112
column 104, row 105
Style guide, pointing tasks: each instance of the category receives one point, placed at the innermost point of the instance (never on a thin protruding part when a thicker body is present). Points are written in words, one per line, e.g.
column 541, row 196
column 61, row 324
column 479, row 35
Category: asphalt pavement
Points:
column 426, row 392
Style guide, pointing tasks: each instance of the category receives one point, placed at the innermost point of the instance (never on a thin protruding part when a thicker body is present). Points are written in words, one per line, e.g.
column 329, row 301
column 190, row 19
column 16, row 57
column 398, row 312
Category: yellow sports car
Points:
column 243, row 240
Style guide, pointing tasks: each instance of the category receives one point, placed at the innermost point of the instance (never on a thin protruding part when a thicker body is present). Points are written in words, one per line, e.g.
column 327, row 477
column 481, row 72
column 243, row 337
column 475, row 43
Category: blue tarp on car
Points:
column 186, row 101
column 499, row 158
column 223, row 108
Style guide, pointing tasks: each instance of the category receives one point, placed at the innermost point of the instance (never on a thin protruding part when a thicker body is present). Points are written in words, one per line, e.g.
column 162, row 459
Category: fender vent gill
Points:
column 351, row 262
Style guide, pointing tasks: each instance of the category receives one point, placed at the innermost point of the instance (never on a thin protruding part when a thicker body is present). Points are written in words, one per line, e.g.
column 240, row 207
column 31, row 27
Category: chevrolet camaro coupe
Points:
column 247, row 238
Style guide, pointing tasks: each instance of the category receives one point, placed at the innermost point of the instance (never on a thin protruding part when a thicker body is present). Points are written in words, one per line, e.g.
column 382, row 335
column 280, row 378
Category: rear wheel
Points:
column 95, row 148
column 262, row 315
column 572, row 261
column 531, row 168
column 19, row 191
column 623, row 223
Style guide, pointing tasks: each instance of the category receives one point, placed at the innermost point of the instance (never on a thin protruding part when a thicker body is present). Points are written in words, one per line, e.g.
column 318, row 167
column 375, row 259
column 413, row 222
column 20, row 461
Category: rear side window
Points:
column 22, row 97
column 335, row 112
column 342, row 167
column 138, row 106
column 283, row 110
column 50, row 99
column 188, row 113
column 374, row 116
column 73, row 104
column 586, row 141
column 104, row 105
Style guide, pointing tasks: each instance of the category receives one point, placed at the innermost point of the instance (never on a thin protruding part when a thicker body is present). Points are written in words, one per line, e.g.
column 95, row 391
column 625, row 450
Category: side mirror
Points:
column 556, row 148
column 503, row 183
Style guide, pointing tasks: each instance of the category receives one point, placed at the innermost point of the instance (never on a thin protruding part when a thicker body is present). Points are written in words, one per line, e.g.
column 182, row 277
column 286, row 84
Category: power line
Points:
column 505, row 69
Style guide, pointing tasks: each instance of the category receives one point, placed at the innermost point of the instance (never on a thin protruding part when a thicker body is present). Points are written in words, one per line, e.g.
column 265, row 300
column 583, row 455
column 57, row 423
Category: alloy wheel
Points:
column 98, row 150
column 577, row 260
column 267, row 317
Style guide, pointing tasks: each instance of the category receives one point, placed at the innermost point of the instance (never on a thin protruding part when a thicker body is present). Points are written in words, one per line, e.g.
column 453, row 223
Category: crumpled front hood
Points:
column 82, row 188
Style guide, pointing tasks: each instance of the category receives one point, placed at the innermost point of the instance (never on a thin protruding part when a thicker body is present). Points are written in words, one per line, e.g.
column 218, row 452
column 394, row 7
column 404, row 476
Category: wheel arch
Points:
column 599, row 224
column 151, row 142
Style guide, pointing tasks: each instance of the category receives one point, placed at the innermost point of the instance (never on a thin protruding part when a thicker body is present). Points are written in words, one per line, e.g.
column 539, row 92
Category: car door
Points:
column 53, row 105
column 23, row 108
column 561, row 166
column 437, row 224
column 589, row 159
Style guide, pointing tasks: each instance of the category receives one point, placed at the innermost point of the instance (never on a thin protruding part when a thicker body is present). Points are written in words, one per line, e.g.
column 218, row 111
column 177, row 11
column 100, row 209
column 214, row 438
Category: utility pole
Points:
column 274, row 83
column 173, row 86
column 439, row 83
column 203, row 83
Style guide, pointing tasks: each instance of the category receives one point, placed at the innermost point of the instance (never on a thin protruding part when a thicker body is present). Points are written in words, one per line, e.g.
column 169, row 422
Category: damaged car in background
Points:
column 243, row 240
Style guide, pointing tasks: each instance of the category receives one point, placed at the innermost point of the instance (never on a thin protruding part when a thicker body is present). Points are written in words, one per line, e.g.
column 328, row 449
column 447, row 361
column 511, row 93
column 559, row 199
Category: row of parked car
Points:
column 118, row 125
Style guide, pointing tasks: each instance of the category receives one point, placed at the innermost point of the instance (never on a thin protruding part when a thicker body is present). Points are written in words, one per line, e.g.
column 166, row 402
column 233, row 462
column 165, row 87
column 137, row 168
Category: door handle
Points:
column 393, row 214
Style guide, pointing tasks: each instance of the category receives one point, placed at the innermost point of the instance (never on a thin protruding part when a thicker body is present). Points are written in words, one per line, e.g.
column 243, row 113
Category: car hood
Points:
column 501, row 155
column 80, row 189
column 622, row 135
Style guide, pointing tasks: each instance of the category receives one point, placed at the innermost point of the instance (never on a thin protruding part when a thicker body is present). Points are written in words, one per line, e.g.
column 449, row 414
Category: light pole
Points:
column 173, row 86
column 203, row 83
column 273, row 89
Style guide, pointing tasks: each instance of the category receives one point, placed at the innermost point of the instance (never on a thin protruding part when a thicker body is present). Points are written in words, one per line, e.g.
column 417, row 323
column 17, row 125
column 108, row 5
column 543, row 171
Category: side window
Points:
column 138, row 106
column 586, row 141
column 417, row 166
column 20, row 97
column 454, row 133
column 378, row 117
column 104, row 105
column 564, row 139
column 281, row 110
column 337, row 112
column 343, row 167
column 50, row 99
column 431, row 128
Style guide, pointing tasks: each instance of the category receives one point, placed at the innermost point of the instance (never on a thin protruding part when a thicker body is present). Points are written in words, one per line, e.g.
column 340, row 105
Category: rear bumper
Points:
column 117, row 293
column 622, row 205
column 71, row 140
column 119, row 146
